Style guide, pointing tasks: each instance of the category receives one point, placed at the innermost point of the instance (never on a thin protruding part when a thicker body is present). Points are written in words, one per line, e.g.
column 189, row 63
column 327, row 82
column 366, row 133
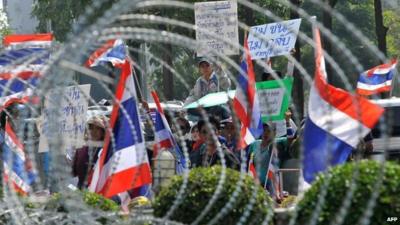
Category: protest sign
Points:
column 217, row 27
column 68, row 107
column 273, row 39
column 280, row 126
column 274, row 99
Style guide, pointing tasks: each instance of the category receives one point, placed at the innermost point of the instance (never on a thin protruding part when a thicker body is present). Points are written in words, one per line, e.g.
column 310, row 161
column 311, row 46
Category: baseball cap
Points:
column 203, row 59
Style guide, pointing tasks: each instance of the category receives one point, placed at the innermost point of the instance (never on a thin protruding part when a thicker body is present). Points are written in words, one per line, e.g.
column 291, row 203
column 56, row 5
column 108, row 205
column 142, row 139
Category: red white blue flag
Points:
column 252, row 169
column 273, row 175
column 18, row 169
column 123, row 164
column 336, row 121
column 113, row 51
column 377, row 80
column 164, row 138
column 28, row 40
column 246, row 103
column 21, row 65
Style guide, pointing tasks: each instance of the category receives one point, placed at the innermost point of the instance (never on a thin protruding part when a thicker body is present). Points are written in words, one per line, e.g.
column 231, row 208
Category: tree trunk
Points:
column 380, row 29
column 327, row 45
column 381, row 32
column 298, row 91
column 249, row 16
column 168, row 78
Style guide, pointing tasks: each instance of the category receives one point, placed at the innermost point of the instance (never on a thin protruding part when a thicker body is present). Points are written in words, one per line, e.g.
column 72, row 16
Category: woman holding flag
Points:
column 266, row 162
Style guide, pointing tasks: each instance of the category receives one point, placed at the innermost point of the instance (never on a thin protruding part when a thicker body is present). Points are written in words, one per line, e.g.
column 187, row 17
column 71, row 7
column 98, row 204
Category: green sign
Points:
column 274, row 98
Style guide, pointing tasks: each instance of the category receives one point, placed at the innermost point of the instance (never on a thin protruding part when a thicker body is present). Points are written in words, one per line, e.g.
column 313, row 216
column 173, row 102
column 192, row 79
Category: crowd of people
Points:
column 209, row 141
column 212, row 140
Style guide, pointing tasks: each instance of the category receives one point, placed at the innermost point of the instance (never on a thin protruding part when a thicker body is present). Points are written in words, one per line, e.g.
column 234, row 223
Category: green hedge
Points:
column 387, row 204
column 202, row 184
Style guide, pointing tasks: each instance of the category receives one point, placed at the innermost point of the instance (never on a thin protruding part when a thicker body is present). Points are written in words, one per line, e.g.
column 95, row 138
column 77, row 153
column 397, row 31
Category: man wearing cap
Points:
column 210, row 81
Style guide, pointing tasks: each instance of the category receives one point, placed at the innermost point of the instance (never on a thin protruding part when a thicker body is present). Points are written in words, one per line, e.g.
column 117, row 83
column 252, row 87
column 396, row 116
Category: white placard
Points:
column 72, row 116
column 273, row 39
column 280, row 126
column 217, row 27
column 271, row 101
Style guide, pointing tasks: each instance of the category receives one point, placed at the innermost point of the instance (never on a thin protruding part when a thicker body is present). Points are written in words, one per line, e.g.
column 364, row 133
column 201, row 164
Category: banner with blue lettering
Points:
column 69, row 107
column 273, row 39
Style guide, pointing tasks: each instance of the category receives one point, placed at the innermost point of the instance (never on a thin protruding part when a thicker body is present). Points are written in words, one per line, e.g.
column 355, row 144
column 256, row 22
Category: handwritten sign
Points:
column 274, row 98
column 280, row 126
column 68, row 107
column 273, row 39
column 217, row 27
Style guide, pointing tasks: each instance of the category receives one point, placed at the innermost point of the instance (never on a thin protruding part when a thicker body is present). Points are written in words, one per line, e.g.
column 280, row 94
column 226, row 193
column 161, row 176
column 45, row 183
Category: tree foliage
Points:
column 392, row 21
column 358, row 12
column 4, row 27
column 59, row 16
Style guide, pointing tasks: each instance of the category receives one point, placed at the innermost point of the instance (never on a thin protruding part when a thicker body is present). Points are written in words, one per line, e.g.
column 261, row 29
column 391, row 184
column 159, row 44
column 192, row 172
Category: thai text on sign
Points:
column 274, row 98
column 67, row 109
column 273, row 39
column 217, row 27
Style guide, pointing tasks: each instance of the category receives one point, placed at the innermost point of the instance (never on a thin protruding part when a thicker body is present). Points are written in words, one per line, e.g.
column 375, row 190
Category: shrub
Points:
column 56, row 202
column 98, row 201
column 387, row 203
column 202, row 184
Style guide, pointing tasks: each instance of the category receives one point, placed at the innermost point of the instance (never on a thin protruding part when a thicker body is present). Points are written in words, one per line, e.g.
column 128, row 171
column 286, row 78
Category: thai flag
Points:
column 21, row 65
column 246, row 103
column 28, row 40
column 252, row 169
column 273, row 175
column 114, row 52
column 123, row 164
column 377, row 80
column 18, row 170
column 336, row 121
column 164, row 138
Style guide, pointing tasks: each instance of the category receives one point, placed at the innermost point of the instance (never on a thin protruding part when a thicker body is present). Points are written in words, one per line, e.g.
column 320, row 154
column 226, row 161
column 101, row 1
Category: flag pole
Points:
column 393, row 79
column 269, row 164
column 136, row 80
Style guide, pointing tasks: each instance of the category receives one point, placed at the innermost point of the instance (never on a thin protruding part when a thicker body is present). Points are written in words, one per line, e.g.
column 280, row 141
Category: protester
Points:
column 194, row 133
column 185, row 135
column 211, row 80
column 184, row 125
column 261, row 151
column 86, row 157
column 228, row 131
column 208, row 153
